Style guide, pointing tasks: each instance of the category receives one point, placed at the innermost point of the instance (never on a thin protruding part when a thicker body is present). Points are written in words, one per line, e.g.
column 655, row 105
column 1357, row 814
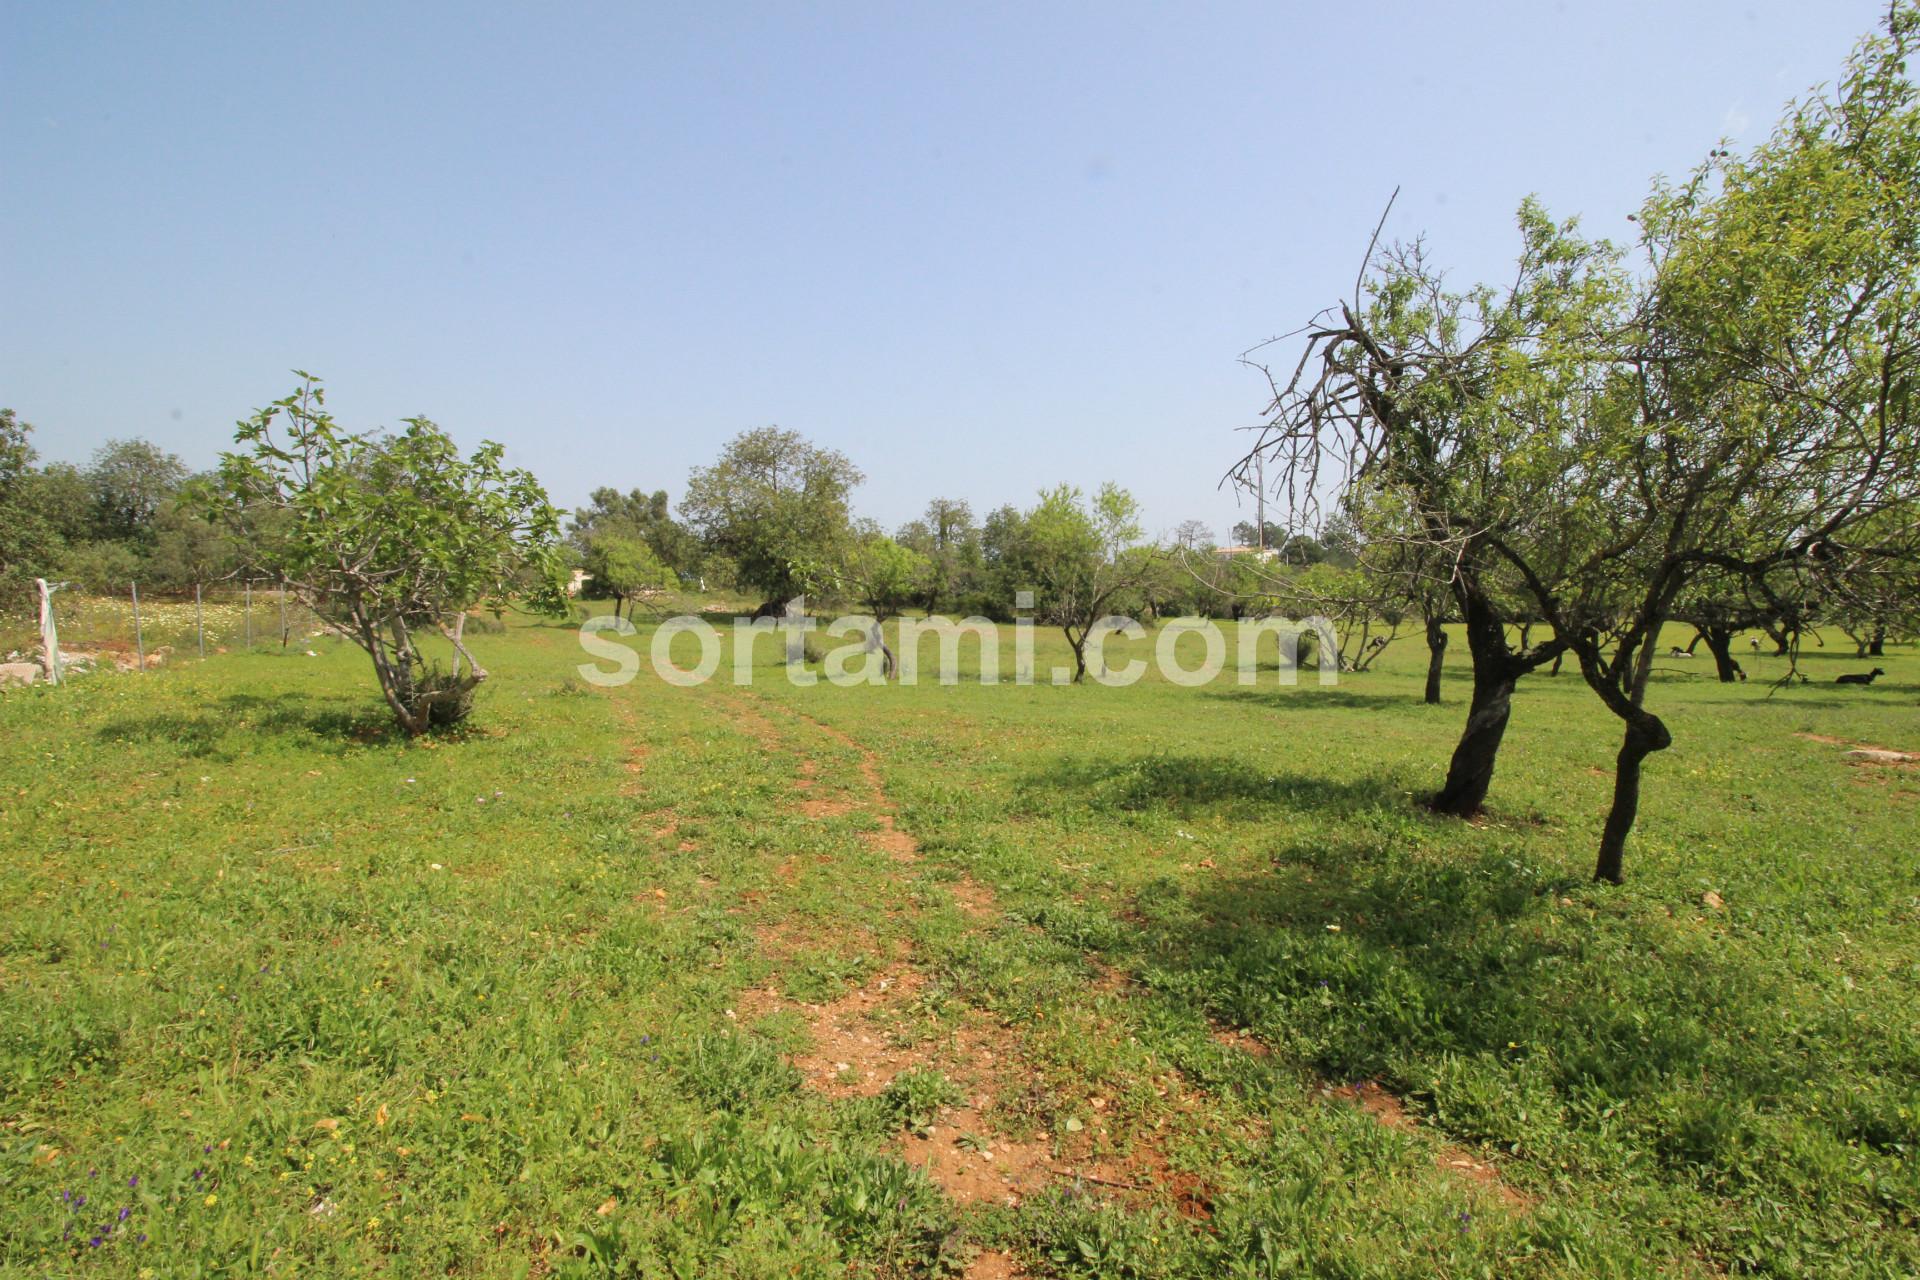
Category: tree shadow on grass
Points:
column 1360, row 961
column 1189, row 784
column 223, row 730
column 1307, row 696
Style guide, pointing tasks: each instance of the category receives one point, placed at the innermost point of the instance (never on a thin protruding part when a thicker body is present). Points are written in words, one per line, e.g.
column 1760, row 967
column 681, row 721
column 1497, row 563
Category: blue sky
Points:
column 979, row 248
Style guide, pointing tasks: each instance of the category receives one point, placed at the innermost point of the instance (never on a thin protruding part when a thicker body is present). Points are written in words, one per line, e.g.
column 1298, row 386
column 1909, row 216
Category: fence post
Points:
column 283, row 613
column 199, row 621
column 249, row 609
column 139, row 641
column 49, row 634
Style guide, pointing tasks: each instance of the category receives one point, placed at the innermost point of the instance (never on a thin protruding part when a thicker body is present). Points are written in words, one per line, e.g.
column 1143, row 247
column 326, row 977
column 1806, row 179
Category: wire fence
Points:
column 140, row 630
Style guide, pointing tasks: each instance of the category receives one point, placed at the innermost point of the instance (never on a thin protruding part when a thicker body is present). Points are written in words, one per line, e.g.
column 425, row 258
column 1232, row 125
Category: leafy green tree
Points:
column 638, row 514
column 773, row 504
column 28, row 542
column 388, row 539
column 623, row 564
column 188, row 550
column 886, row 578
column 1081, row 558
column 949, row 540
column 130, row 480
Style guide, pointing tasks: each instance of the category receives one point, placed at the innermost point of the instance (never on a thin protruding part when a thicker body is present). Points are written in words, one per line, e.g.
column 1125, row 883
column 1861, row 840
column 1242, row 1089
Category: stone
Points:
column 1873, row 755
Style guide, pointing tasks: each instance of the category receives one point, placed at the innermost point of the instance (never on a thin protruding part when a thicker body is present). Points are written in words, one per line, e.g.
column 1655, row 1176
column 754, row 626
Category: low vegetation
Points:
column 777, row 980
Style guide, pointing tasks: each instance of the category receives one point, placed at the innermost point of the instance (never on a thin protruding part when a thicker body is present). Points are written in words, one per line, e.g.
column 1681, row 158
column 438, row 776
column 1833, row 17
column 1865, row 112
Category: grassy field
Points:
column 1007, row 980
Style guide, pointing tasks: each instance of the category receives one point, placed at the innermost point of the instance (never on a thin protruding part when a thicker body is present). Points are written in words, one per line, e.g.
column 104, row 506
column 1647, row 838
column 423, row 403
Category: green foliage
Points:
column 276, row 967
column 130, row 480
column 774, row 505
column 1079, row 558
column 388, row 538
column 622, row 564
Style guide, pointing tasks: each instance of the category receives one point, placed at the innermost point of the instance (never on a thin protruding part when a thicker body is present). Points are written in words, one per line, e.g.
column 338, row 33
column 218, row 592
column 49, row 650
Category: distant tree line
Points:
column 128, row 515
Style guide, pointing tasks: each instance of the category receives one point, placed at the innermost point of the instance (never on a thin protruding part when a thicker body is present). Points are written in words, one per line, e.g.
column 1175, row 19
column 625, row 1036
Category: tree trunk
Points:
column 1079, row 654
column 1877, row 643
column 1720, row 644
column 1436, row 657
column 1495, row 671
column 1645, row 735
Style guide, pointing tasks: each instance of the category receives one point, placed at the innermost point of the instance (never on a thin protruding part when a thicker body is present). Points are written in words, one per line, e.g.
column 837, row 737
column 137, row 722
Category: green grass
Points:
column 345, row 1004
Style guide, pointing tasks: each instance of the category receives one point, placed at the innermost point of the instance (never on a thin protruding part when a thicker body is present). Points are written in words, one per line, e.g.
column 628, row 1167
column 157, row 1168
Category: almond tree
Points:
column 1595, row 443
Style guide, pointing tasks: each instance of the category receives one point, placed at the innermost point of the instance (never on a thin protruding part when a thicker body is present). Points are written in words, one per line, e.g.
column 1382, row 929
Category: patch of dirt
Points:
column 851, row 1052
column 993, row 1265
column 1241, row 1040
column 973, row 1165
column 892, row 841
column 975, row 899
column 820, row 808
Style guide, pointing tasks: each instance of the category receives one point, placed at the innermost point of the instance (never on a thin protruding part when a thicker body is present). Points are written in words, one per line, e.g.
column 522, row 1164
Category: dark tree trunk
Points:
column 1079, row 655
column 1877, row 643
column 1782, row 642
column 1645, row 735
column 1495, row 671
column 1720, row 644
column 1436, row 658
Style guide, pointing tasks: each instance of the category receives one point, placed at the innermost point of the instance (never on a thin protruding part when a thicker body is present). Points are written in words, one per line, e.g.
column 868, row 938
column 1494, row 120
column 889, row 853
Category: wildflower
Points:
column 211, row 1201
column 125, row 1213
column 134, row 1181
column 94, row 1243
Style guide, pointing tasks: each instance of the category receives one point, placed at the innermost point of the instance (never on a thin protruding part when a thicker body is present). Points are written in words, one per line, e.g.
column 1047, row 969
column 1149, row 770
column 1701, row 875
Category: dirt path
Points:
column 978, row 1148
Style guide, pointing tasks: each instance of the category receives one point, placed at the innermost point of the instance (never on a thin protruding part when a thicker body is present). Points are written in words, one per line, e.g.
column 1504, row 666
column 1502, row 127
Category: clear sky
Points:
column 979, row 248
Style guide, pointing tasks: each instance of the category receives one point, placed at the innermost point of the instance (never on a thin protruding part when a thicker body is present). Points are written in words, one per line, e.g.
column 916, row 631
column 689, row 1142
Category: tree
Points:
column 947, row 537
column 387, row 539
column 886, row 577
column 1592, row 444
column 1406, row 400
column 130, row 479
column 621, row 562
column 24, row 536
column 642, row 515
column 771, row 503
column 188, row 551
column 1080, row 558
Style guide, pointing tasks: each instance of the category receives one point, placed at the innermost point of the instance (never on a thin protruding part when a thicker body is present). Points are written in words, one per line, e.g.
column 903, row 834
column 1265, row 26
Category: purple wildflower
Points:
column 125, row 1213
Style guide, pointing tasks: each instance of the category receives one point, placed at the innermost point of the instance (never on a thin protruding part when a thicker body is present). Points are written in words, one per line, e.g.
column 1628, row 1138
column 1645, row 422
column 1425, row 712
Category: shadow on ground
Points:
column 223, row 729
column 1189, row 784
